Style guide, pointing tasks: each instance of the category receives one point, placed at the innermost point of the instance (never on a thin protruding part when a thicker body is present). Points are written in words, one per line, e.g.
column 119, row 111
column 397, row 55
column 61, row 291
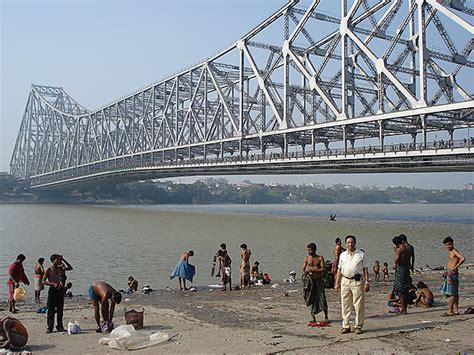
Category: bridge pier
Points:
column 381, row 134
column 344, row 138
column 423, row 130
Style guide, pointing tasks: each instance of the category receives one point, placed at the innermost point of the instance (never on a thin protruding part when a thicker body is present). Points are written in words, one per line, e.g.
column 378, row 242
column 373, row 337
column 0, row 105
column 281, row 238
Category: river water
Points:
column 112, row 242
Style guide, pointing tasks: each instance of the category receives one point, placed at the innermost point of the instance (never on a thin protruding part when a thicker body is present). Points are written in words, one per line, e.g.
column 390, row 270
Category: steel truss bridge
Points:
column 385, row 86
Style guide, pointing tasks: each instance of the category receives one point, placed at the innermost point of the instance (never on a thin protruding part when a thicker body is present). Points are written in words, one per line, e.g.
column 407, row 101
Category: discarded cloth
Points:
column 319, row 324
column 450, row 286
column 183, row 269
column 125, row 337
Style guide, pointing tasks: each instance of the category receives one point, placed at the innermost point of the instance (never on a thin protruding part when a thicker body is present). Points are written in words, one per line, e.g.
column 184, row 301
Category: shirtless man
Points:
column 424, row 296
column 403, row 263
column 13, row 334
column 184, row 270
column 245, row 266
column 312, row 274
column 225, row 271
column 39, row 274
column 338, row 249
column 450, row 287
column 63, row 267
column 132, row 285
column 100, row 292
column 55, row 303
column 410, row 247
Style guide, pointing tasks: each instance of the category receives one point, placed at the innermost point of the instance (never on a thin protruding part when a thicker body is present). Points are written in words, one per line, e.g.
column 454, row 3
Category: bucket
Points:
column 134, row 318
column 19, row 294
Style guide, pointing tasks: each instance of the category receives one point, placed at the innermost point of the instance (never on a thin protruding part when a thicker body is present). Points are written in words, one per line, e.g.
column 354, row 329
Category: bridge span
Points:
column 386, row 86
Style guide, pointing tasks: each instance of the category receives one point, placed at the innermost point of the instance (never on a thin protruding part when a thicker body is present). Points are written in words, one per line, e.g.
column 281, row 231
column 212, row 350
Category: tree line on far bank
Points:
column 158, row 192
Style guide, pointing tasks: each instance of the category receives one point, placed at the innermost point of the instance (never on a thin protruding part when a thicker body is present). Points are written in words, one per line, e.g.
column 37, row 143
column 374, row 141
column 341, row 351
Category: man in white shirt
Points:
column 353, row 281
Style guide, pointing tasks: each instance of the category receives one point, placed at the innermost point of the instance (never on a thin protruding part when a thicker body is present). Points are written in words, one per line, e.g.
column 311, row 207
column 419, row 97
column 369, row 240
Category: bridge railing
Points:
column 150, row 161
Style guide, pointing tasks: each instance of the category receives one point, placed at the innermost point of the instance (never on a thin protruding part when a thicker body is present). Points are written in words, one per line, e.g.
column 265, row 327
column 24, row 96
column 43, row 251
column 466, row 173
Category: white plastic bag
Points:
column 125, row 337
column 73, row 327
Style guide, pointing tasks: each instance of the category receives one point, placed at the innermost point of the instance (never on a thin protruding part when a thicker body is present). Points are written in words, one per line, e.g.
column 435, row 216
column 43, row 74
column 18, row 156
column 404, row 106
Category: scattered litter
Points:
column 73, row 327
column 193, row 289
column 277, row 336
column 286, row 294
column 42, row 310
column 319, row 324
column 127, row 300
column 425, row 321
column 200, row 307
column 275, row 286
column 291, row 291
column 447, row 340
column 215, row 286
column 267, row 298
column 125, row 337
column 268, row 307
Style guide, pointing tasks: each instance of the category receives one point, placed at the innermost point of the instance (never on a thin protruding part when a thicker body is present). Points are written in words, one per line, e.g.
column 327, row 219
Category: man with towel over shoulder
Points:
column 184, row 270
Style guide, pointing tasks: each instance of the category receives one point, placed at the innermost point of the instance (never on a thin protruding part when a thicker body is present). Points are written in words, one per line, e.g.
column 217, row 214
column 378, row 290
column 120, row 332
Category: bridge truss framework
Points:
column 304, row 91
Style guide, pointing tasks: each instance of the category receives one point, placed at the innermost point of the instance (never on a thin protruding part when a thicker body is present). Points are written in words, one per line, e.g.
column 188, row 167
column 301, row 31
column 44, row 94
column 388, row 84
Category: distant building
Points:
column 469, row 186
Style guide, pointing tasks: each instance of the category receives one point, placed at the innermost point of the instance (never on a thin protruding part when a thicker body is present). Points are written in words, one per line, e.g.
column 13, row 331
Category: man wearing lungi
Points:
column 450, row 286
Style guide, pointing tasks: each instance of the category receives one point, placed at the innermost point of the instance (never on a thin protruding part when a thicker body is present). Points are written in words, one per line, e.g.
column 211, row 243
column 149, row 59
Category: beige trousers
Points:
column 352, row 294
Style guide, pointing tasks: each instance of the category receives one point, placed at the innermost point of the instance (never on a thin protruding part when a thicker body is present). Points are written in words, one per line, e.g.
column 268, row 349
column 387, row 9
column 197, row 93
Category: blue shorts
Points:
column 92, row 295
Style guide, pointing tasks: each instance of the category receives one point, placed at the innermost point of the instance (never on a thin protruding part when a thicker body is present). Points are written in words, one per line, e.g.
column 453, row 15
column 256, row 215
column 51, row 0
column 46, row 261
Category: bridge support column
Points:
column 205, row 152
column 285, row 146
column 423, row 131
column 222, row 151
column 381, row 135
column 303, row 149
column 313, row 141
column 344, row 138
column 240, row 148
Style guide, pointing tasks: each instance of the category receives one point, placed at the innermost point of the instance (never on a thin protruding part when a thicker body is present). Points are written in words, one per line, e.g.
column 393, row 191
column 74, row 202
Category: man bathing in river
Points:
column 39, row 275
column 16, row 274
column 245, row 266
column 100, row 293
column 410, row 248
column 338, row 249
column 313, row 286
column 225, row 269
column 450, row 286
column 403, row 263
column 184, row 270
column 53, row 279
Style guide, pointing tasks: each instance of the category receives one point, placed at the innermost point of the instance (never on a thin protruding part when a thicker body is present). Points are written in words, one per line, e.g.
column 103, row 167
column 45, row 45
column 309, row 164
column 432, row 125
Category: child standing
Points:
column 385, row 271
column 376, row 269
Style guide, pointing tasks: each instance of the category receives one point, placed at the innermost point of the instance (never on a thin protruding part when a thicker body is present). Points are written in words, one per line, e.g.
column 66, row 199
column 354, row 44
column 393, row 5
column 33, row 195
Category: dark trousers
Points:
column 55, row 305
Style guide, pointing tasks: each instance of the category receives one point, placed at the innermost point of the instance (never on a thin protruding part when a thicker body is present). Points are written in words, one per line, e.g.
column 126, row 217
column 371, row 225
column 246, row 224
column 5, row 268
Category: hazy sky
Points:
column 101, row 50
